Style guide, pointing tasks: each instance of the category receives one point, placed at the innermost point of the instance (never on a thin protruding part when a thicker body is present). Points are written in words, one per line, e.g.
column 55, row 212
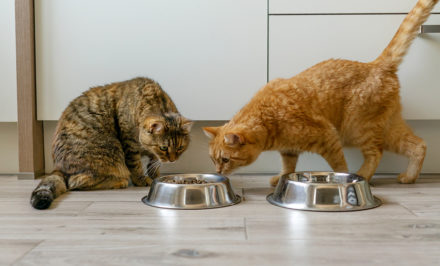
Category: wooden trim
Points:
column 30, row 131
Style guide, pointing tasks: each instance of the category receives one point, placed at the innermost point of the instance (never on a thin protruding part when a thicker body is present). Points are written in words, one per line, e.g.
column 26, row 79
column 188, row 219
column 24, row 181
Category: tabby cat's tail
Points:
column 49, row 188
column 393, row 55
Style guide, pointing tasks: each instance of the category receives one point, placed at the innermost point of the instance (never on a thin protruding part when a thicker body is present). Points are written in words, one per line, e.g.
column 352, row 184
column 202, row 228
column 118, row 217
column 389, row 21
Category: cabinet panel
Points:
column 210, row 56
column 341, row 6
column 8, row 71
column 298, row 42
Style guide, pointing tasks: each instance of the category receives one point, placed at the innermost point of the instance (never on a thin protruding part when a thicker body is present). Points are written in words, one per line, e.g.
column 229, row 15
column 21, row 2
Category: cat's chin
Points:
column 226, row 173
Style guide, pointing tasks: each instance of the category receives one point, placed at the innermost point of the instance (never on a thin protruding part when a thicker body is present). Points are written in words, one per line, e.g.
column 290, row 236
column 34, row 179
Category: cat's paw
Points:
column 404, row 179
column 149, row 180
column 143, row 181
column 274, row 180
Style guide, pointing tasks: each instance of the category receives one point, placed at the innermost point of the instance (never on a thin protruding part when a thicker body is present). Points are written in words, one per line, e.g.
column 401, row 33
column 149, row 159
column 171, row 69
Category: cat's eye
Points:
column 180, row 148
column 163, row 148
column 225, row 160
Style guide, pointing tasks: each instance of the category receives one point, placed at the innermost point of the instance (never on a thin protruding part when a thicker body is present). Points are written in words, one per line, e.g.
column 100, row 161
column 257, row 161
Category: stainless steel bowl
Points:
column 323, row 191
column 214, row 192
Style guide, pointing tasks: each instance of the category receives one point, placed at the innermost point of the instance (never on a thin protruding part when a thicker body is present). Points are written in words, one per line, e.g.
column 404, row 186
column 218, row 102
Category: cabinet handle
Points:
column 430, row 29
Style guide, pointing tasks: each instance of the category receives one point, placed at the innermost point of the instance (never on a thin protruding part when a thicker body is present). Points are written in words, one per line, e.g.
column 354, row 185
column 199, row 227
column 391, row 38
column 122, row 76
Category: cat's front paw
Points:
column 149, row 180
column 274, row 180
column 143, row 181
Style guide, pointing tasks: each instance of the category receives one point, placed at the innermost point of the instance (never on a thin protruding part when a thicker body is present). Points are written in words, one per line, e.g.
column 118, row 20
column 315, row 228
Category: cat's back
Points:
column 346, row 80
column 334, row 89
column 98, row 107
column 106, row 98
column 336, row 74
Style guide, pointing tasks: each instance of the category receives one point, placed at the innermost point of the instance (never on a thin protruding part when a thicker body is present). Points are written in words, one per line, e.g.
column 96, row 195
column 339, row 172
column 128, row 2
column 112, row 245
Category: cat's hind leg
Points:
column 289, row 160
column 112, row 178
column 401, row 139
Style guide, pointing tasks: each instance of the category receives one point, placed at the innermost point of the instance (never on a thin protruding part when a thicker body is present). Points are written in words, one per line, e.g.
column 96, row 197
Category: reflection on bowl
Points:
column 191, row 191
column 323, row 191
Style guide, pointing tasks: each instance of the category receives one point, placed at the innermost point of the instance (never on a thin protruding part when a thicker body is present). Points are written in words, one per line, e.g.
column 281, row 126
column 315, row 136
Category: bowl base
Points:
column 377, row 203
column 146, row 201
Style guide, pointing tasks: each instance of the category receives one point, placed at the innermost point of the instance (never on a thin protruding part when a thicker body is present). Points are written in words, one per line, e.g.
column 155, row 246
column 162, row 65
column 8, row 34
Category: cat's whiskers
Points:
column 154, row 167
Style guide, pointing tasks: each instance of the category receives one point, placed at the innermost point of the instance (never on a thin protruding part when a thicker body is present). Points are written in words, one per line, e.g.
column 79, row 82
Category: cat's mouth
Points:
column 167, row 161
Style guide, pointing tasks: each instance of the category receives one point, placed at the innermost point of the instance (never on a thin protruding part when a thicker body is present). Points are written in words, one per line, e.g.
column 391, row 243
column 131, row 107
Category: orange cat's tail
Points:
column 393, row 55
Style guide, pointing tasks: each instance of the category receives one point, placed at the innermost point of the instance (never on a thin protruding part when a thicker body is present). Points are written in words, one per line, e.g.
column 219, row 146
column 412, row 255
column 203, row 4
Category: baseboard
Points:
column 25, row 175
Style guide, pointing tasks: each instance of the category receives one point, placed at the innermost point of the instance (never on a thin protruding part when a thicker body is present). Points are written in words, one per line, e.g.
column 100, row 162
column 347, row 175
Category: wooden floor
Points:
column 116, row 228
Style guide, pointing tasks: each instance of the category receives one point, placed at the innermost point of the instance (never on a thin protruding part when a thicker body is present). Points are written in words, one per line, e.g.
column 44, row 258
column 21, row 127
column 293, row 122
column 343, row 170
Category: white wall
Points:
column 196, row 158
column 8, row 148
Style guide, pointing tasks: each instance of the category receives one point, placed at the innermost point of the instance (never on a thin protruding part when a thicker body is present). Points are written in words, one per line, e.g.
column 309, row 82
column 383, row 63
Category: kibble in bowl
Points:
column 185, row 181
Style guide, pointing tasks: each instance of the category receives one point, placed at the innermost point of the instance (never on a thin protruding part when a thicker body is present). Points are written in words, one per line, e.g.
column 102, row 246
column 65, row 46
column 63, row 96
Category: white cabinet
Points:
column 341, row 6
column 210, row 56
column 8, row 71
column 297, row 42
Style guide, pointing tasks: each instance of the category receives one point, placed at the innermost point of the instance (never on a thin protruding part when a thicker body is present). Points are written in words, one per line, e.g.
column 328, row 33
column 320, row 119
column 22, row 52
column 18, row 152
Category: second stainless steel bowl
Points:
column 191, row 191
column 323, row 191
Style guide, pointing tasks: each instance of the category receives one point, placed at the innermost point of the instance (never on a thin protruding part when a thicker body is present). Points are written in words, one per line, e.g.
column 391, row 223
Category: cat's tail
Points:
column 393, row 55
column 49, row 188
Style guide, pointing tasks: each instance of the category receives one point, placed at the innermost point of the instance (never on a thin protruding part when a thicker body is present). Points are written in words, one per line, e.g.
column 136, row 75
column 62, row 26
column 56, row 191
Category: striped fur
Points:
column 102, row 135
column 333, row 104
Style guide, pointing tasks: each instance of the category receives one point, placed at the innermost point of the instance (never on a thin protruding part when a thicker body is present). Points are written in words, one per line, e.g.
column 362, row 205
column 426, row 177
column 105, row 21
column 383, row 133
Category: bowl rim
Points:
column 159, row 179
column 359, row 179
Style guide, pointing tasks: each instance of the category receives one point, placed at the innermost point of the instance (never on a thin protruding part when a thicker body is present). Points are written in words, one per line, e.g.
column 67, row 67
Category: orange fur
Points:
column 333, row 104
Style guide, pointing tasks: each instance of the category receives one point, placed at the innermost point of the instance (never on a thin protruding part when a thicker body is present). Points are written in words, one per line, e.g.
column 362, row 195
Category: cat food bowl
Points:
column 191, row 191
column 323, row 191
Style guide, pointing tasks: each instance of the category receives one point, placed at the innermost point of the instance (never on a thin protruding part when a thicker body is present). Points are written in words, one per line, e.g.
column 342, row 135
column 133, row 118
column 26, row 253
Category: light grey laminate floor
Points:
column 113, row 227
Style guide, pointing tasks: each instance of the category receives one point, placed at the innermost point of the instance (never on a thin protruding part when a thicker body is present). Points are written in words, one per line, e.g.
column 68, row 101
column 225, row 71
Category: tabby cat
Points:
column 332, row 104
column 102, row 134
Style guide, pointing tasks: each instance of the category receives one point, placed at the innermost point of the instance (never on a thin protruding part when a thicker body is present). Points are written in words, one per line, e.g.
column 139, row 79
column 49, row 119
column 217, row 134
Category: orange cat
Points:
column 332, row 104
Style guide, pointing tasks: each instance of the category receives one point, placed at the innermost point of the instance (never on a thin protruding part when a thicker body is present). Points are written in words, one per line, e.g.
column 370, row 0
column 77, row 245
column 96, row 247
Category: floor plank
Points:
column 12, row 250
column 215, row 252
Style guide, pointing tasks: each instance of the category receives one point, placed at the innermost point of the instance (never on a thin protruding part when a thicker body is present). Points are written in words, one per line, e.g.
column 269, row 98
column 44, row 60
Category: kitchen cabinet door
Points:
column 209, row 56
column 298, row 42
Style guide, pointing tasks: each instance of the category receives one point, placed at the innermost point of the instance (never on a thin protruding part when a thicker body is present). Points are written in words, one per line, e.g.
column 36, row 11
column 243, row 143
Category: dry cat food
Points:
column 185, row 181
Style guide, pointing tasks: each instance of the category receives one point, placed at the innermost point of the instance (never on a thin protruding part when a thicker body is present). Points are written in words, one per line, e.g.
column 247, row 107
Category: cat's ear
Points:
column 155, row 125
column 233, row 139
column 187, row 125
column 211, row 132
